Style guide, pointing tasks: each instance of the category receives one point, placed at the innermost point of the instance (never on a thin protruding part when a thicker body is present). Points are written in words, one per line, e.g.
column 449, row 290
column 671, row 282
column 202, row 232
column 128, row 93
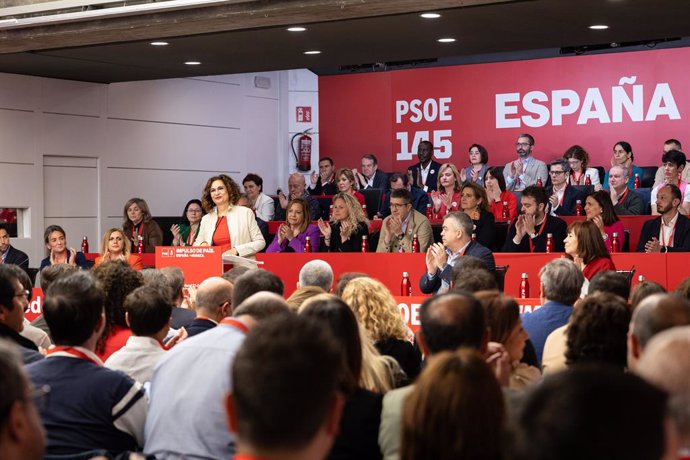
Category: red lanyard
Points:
column 575, row 180
column 232, row 322
column 623, row 196
column 543, row 226
column 670, row 237
column 560, row 201
column 191, row 237
column 72, row 351
column 136, row 235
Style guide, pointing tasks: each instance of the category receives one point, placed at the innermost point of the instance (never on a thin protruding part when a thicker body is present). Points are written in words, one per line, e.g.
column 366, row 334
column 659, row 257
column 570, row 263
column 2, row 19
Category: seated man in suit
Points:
column 626, row 202
column 324, row 182
column 524, row 171
column 213, row 303
column 398, row 229
column 297, row 187
column 370, row 177
column 424, row 175
column 400, row 181
column 528, row 233
column 562, row 198
column 9, row 254
column 457, row 242
column 670, row 232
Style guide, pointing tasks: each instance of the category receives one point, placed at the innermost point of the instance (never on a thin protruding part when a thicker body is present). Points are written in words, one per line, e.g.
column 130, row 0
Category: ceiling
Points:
column 530, row 28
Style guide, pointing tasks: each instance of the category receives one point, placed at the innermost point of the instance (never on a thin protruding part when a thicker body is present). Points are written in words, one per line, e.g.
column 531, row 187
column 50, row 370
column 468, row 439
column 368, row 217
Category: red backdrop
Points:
column 594, row 101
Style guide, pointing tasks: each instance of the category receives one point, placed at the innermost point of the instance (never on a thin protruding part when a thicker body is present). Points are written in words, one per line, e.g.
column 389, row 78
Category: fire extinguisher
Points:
column 304, row 158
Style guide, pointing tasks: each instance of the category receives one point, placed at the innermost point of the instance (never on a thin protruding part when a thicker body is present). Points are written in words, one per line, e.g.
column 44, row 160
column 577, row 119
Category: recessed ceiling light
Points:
column 430, row 15
column 312, row 52
column 193, row 63
column 159, row 43
column 599, row 27
column 296, row 29
column 446, row 40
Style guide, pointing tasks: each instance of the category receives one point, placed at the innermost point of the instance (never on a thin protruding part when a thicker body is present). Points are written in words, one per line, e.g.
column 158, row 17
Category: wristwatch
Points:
column 533, row 235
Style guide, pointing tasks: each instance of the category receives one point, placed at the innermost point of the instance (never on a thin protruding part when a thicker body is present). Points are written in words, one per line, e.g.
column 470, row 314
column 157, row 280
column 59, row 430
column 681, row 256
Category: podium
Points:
column 197, row 262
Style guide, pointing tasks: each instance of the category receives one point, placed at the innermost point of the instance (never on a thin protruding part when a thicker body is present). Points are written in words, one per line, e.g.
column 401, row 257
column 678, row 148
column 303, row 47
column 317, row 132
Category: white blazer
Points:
column 264, row 207
column 245, row 235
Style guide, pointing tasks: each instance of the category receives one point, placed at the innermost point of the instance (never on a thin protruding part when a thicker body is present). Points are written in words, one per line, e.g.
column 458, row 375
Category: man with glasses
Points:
column 397, row 181
column 398, row 229
column 14, row 301
column 8, row 254
column 524, row 171
column 213, row 303
column 562, row 198
column 21, row 433
column 297, row 187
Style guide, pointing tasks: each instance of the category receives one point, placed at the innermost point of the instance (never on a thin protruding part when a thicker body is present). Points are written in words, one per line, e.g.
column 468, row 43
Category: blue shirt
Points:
column 543, row 321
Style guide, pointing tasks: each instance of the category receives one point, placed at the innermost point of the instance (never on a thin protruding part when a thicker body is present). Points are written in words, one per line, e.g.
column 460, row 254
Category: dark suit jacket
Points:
column 199, row 325
column 485, row 229
column 314, row 208
column 329, row 188
column 429, row 286
column 431, row 179
column 419, row 201
column 570, row 198
column 681, row 236
column 631, row 206
column 181, row 317
column 554, row 225
column 380, row 180
column 17, row 257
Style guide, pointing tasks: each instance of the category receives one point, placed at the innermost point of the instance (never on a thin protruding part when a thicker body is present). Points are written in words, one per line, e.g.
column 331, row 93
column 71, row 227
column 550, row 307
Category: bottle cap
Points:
column 414, row 236
column 505, row 203
column 364, row 237
column 524, row 276
column 579, row 202
column 615, row 234
column 405, row 274
column 549, row 235
column 309, row 238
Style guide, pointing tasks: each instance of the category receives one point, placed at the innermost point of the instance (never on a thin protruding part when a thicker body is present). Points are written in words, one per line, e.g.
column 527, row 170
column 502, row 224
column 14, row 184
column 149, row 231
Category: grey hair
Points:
column 156, row 279
column 316, row 272
column 562, row 281
column 462, row 220
column 625, row 171
column 564, row 164
column 175, row 278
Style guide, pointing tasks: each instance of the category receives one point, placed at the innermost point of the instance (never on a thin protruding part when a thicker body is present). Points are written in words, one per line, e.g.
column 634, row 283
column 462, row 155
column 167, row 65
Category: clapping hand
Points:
column 325, row 229
column 439, row 253
column 463, row 175
column 518, row 166
column 314, row 178
column 652, row 245
column 283, row 232
column 72, row 257
column 283, row 200
column 436, row 198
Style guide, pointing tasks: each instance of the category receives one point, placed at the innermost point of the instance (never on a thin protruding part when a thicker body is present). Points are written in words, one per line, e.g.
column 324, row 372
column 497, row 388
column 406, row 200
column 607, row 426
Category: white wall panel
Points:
column 72, row 97
column 19, row 91
column 67, row 135
column 272, row 92
column 261, row 140
column 235, row 79
column 167, row 146
column 16, row 185
column 70, row 191
column 302, row 80
column 18, row 135
column 177, row 101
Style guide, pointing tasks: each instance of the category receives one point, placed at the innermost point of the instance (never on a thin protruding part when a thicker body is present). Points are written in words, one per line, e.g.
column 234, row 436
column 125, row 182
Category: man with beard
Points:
column 670, row 232
column 524, row 171
column 424, row 175
column 9, row 254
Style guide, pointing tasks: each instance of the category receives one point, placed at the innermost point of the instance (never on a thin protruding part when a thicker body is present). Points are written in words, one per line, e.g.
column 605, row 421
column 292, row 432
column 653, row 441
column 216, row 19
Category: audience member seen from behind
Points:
column 8, row 253
column 108, row 407
column 253, row 281
column 22, row 436
column 261, row 203
column 599, row 209
column 497, row 195
column 185, row 233
column 359, row 425
column 670, row 232
column 643, row 290
column 116, row 246
column 138, row 223
column 446, row 198
column 272, row 382
column 455, row 411
column 227, row 225
column 474, row 203
column 58, row 253
column 399, row 230
column 503, row 319
column 586, row 247
column 348, row 225
column 292, row 235
column 580, row 174
column 301, row 295
column 14, row 300
column 170, row 281
column 346, row 184
column 117, row 279
column 47, row 276
column 318, row 273
column 213, row 304
column 478, row 159
column 147, row 313
column 623, row 156
column 593, row 413
column 378, row 312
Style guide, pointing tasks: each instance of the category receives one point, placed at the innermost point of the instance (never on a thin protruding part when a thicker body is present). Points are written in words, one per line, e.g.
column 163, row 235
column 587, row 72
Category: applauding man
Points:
column 399, row 229
column 670, row 232
column 524, row 171
column 530, row 230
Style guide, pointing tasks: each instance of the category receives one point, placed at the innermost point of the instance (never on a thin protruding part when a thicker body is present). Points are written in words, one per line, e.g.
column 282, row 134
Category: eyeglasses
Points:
column 556, row 173
column 193, row 211
column 522, row 144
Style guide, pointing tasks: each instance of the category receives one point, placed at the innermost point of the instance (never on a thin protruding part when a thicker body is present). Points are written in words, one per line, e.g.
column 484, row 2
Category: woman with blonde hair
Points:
column 447, row 198
column 347, row 227
column 377, row 311
column 116, row 246
column 345, row 180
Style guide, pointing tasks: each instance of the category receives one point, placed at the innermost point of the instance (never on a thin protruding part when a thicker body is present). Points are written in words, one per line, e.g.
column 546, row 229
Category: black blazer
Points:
column 557, row 227
column 181, row 317
column 17, row 257
column 430, row 286
column 199, row 325
column 485, row 228
column 354, row 244
column 570, row 197
column 329, row 188
column 380, row 181
column 431, row 179
column 681, row 236
column 419, row 201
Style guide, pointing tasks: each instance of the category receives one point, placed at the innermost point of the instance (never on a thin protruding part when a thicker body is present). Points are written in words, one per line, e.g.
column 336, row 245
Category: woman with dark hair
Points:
column 503, row 318
column 474, row 203
column 455, row 411
column 293, row 234
column 347, row 226
column 474, row 173
column 446, row 198
column 359, row 425
column 623, row 156
column 227, row 225
column 579, row 172
column 187, row 230
column 116, row 246
column 139, row 224
column 585, row 246
column 345, row 180
column 262, row 204
column 56, row 242
column 497, row 195
column 599, row 209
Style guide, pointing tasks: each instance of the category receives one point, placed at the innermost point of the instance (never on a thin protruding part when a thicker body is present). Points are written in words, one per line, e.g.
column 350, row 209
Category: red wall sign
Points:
column 594, row 101
column 303, row 114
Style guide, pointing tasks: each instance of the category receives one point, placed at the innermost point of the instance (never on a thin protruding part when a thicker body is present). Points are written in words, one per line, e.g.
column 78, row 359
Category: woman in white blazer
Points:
column 262, row 204
column 227, row 225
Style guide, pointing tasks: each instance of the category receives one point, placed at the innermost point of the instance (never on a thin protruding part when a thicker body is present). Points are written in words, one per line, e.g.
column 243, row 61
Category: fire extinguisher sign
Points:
column 303, row 114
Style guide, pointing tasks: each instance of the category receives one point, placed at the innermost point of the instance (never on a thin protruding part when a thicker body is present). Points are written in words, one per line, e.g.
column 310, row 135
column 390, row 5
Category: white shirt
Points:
column 666, row 231
column 559, row 195
column 425, row 173
column 137, row 358
column 683, row 190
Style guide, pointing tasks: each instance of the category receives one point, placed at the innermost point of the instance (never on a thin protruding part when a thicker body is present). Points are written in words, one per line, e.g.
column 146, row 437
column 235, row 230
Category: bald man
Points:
column 297, row 188
column 213, row 303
